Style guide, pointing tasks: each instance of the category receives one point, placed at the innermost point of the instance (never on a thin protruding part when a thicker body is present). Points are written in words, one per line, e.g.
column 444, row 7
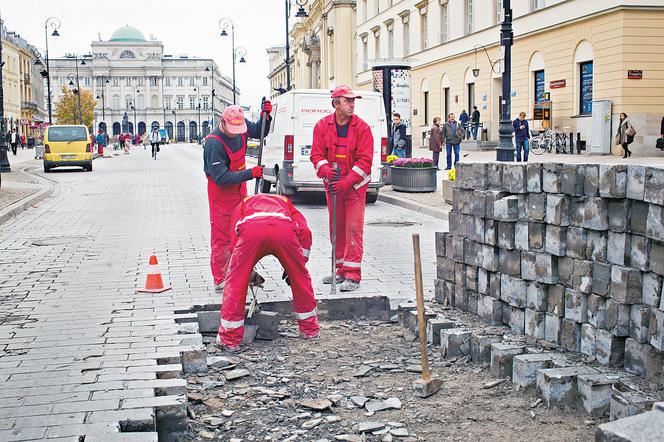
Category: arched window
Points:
column 445, row 96
column 425, row 102
column 180, row 137
column 154, row 102
column 116, row 128
column 115, row 101
column 128, row 102
column 140, row 101
column 127, row 55
column 155, row 124
column 537, row 77
column 584, row 76
column 169, row 129
column 193, row 132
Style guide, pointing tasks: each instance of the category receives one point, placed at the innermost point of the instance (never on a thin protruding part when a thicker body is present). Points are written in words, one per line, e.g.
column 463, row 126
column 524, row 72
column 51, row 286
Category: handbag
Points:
column 660, row 143
column 630, row 132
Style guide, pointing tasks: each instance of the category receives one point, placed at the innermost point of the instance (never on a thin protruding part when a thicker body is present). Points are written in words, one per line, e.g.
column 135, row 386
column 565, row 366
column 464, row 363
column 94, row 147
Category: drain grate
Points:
column 393, row 223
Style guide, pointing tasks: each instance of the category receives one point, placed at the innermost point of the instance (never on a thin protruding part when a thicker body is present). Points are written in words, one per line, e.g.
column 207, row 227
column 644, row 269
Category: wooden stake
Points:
column 419, row 294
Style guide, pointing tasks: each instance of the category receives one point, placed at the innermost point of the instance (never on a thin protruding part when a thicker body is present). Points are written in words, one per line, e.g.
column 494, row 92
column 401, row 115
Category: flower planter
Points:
column 414, row 179
column 387, row 179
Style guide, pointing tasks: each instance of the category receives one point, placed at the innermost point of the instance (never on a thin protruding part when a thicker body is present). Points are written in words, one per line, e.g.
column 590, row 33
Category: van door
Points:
column 308, row 109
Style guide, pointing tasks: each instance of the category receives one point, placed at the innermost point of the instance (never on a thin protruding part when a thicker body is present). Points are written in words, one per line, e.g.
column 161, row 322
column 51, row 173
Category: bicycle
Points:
column 548, row 140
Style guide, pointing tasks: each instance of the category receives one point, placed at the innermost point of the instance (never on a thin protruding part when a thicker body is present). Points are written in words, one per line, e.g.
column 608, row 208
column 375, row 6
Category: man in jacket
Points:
column 475, row 122
column 264, row 225
column 463, row 118
column 224, row 154
column 13, row 140
column 436, row 141
column 155, row 139
column 342, row 153
column 522, row 136
column 452, row 135
column 398, row 136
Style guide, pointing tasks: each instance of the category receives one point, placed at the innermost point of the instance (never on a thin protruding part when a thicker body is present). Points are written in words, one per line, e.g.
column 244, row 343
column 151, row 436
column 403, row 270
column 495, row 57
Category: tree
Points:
column 66, row 109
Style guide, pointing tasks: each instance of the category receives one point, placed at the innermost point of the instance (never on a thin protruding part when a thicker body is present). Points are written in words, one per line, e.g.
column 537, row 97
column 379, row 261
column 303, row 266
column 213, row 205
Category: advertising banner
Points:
column 400, row 85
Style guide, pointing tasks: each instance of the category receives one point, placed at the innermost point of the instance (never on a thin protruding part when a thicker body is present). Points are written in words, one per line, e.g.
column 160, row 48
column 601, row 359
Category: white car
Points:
column 288, row 143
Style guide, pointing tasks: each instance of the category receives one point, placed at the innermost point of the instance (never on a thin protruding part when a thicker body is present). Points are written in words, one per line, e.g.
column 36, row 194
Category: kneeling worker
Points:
column 267, row 225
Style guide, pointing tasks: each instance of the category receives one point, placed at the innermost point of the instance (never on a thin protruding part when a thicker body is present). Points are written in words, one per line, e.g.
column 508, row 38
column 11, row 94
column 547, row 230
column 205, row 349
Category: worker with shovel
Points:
column 224, row 154
column 267, row 224
column 342, row 153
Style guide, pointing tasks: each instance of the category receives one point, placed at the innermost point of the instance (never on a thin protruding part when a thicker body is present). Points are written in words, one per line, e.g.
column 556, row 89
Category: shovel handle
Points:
column 419, row 295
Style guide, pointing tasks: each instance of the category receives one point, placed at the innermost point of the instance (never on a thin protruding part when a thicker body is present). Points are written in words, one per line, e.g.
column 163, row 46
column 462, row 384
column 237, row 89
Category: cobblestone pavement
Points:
column 17, row 184
column 80, row 349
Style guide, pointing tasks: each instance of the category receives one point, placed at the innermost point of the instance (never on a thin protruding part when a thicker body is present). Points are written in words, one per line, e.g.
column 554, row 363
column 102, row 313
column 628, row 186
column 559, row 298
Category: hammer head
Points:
column 425, row 388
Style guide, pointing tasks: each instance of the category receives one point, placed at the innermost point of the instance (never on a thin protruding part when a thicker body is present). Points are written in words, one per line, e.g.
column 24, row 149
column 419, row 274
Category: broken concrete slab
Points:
column 558, row 386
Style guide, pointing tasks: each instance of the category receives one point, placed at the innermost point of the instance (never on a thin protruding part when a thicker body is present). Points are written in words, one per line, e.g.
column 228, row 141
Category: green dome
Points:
column 127, row 33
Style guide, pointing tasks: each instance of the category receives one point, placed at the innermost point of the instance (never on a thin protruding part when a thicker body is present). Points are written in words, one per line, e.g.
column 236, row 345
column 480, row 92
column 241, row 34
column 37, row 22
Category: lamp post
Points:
column 175, row 123
column 209, row 67
column 505, row 149
column 133, row 107
column 78, row 85
column 54, row 23
column 103, row 103
column 76, row 91
column 4, row 159
column 301, row 13
column 224, row 23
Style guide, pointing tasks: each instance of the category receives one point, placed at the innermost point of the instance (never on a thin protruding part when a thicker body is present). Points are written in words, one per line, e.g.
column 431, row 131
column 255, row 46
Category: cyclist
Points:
column 155, row 138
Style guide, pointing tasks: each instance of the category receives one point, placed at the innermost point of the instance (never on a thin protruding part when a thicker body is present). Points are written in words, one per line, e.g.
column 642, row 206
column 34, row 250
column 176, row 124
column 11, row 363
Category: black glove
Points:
column 285, row 277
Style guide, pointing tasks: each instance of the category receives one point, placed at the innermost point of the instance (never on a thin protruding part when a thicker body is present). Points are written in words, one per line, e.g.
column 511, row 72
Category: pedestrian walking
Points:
column 342, row 153
column 463, row 118
column 101, row 142
column 224, row 164
column 155, row 138
column 398, row 136
column 267, row 224
column 127, row 143
column 521, row 136
column 453, row 133
column 13, row 140
column 436, row 141
column 625, row 134
column 475, row 122
column 22, row 141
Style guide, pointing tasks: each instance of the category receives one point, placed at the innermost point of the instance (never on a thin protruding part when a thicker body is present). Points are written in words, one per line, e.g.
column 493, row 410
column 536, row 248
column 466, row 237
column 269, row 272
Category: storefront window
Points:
column 539, row 86
column 586, row 93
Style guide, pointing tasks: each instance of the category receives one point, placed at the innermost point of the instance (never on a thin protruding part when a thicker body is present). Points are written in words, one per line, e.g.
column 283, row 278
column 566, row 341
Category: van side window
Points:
column 273, row 114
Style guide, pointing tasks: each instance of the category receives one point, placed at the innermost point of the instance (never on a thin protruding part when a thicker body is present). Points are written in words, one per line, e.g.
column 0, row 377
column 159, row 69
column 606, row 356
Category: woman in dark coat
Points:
column 625, row 134
column 436, row 141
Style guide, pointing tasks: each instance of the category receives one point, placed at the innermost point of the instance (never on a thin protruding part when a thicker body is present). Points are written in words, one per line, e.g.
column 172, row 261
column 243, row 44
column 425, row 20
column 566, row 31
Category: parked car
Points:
column 288, row 142
column 67, row 145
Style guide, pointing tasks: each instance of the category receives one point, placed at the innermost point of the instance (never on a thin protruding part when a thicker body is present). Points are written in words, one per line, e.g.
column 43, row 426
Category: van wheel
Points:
column 265, row 186
column 372, row 197
column 88, row 167
column 47, row 169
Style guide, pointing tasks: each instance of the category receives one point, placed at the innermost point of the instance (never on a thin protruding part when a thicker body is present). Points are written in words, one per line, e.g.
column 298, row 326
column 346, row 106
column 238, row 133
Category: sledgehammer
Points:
column 426, row 386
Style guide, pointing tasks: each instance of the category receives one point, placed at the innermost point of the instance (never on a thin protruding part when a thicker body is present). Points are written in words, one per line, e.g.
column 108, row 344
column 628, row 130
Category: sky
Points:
column 183, row 27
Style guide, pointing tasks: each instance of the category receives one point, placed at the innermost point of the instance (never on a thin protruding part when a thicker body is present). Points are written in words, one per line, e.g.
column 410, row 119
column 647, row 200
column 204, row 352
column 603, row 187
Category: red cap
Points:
column 343, row 90
column 234, row 118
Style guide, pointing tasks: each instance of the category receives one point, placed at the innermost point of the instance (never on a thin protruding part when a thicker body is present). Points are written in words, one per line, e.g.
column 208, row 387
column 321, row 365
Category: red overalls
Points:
column 223, row 200
column 353, row 156
column 267, row 224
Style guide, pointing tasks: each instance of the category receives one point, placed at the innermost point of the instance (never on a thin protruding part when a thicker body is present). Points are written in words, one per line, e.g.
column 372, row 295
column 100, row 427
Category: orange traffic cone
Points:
column 153, row 282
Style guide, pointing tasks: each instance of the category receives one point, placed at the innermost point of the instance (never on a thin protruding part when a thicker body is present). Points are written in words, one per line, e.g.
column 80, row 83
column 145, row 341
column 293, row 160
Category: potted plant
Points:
column 388, row 169
column 414, row 175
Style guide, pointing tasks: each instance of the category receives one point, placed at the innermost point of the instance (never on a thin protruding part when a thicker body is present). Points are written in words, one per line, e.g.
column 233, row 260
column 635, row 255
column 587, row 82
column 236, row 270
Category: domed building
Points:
column 132, row 77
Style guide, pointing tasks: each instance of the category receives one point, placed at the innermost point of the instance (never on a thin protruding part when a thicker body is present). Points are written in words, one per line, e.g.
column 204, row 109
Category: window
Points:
column 406, row 39
column 424, row 43
column 167, row 102
column 586, row 92
column 86, row 81
column 154, row 81
column 471, row 96
column 180, row 81
column 168, row 81
column 206, row 102
column 426, row 107
column 192, row 81
column 365, row 53
column 377, row 44
column 128, row 102
column 469, row 17
column 100, row 81
column 539, row 86
column 192, row 102
column 444, row 24
column 115, row 102
column 390, row 43
column 499, row 11
column 537, row 4
column 127, row 55
column 127, row 81
column 205, row 81
column 140, row 102
column 180, row 102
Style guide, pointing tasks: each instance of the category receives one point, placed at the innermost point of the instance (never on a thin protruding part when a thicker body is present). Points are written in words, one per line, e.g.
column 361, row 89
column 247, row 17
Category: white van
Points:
column 288, row 143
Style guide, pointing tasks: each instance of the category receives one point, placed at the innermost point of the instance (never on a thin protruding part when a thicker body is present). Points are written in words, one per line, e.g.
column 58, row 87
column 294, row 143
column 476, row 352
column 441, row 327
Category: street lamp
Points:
column 209, row 67
column 175, row 122
column 301, row 13
column 78, row 85
column 76, row 91
column 224, row 23
column 505, row 149
column 54, row 23
column 103, row 104
column 4, row 159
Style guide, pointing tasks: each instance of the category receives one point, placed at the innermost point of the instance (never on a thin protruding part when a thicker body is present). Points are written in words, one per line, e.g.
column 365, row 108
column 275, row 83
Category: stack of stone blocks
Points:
column 572, row 254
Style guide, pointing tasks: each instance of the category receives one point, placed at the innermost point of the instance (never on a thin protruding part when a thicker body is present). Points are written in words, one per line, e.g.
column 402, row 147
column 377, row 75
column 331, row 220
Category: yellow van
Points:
column 67, row 145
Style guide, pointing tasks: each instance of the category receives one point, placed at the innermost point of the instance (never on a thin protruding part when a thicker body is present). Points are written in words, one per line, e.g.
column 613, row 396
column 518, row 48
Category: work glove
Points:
column 340, row 186
column 285, row 277
column 257, row 172
column 332, row 174
column 266, row 106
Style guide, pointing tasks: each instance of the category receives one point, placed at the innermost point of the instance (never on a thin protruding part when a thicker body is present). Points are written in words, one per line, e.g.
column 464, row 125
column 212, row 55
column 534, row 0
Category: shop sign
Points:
column 557, row 84
column 635, row 74
column 25, row 121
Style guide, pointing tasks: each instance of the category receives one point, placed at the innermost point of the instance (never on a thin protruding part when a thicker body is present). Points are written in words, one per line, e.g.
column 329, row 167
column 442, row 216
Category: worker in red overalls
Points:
column 267, row 225
column 345, row 140
column 224, row 164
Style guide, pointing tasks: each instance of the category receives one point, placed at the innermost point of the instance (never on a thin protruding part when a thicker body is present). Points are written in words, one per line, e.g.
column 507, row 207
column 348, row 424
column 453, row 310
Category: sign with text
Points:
column 557, row 84
column 400, row 86
column 635, row 74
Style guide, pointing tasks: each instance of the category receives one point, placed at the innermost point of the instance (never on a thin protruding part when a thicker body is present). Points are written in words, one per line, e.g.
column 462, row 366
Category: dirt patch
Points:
column 356, row 362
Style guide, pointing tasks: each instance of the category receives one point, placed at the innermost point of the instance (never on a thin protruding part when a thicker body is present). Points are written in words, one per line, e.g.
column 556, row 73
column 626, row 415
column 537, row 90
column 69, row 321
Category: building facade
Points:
column 277, row 68
column 138, row 86
column 23, row 86
column 322, row 45
column 566, row 53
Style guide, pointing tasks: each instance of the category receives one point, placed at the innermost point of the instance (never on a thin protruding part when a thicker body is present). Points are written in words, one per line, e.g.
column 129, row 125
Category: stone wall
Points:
column 572, row 254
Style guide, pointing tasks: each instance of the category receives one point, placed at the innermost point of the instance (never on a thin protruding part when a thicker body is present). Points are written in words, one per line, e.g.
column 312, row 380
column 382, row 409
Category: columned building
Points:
column 138, row 86
column 566, row 54
column 277, row 68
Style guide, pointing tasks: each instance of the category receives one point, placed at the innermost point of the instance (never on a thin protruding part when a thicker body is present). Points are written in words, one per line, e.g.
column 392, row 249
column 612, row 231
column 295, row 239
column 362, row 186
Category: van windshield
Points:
column 67, row 133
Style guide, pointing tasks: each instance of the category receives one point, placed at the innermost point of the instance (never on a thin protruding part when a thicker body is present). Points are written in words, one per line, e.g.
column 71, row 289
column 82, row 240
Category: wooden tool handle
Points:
column 419, row 295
